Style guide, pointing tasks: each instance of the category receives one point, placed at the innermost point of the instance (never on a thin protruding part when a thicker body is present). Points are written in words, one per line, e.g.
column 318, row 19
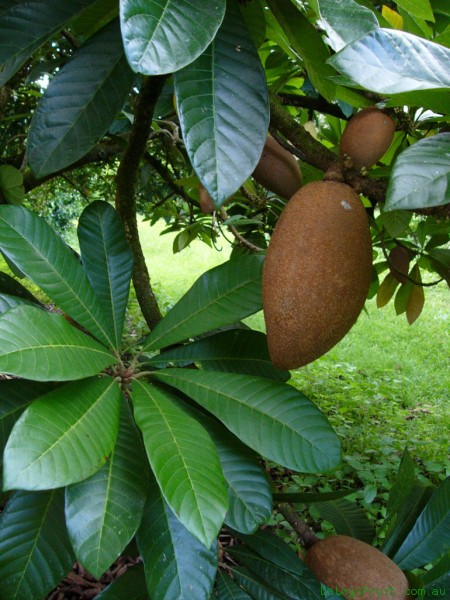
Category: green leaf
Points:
column 257, row 589
column 308, row 44
column 274, row 419
column 7, row 302
column 80, row 103
column 345, row 21
column 15, row 396
column 403, row 484
column 64, row 436
column 221, row 296
column 347, row 518
column 104, row 511
column 11, row 184
column 228, row 589
column 163, row 38
column 131, row 585
column 430, row 536
column 223, row 108
column 184, row 461
column 255, row 21
column 176, row 564
column 10, row 286
column 396, row 222
column 25, row 26
column 419, row 9
column 421, row 175
column 388, row 61
column 42, row 346
column 236, row 351
column 310, row 497
column 107, row 260
column 35, row 552
column 41, row 254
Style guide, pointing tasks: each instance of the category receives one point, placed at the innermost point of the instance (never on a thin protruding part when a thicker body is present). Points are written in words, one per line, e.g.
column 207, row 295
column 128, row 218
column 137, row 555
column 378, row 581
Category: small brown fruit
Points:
column 367, row 137
column 317, row 272
column 207, row 205
column 358, row 571
column 278, row 170
column 399, row 263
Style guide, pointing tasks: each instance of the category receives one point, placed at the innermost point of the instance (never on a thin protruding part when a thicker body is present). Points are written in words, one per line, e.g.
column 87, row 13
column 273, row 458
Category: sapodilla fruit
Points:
column 278, row 170
column 357, row 570
column 207, row 205
column 399, row 263
column 317, row 272
column 366, row 137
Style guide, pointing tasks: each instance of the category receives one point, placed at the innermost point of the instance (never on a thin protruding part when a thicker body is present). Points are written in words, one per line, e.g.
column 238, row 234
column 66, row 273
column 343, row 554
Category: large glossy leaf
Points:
column 274, row 419
column 7, row 302
column 107, row 260
column 27, row 25
column 64, row 436
column 223, row 108
column 184, row 461
column 421, row 175
column 221, row 296
column 80, row 103
column 236, row 351
column 388, row 61
column 307, row 44
column 42, row 346
column 345, row 21
column 430, row 536
column 420, row 9
column 228, row 589
column 131, row 585
column 176, row 564
column 347, row 518
column 164, row 37
column 403, row 484
column 45, row 259
column 35, row 551
column 15, row 396
column 104, row 511
column 257, row 588
column 9, row 285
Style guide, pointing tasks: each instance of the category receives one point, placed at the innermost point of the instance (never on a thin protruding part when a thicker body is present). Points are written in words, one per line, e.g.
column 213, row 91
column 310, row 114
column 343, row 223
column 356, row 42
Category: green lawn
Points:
column 385, row 385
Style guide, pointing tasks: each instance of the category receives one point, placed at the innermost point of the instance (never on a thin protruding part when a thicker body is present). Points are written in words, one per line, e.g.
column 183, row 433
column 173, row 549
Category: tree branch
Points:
column 319, row 104
column 304, row 532
column 126, row 194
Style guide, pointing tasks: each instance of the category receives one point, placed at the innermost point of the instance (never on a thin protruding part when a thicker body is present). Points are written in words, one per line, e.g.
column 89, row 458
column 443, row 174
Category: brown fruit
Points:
column 207, row 205
column 357, row 570
column 278, row 170
column 367, row 137
column 399, row 263
column 317, row 272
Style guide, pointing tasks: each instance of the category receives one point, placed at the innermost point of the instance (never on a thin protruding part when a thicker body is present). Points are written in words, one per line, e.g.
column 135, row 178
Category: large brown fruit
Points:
column 357, row 570
column 278, row 170
column 367, row 137
column 317, row 272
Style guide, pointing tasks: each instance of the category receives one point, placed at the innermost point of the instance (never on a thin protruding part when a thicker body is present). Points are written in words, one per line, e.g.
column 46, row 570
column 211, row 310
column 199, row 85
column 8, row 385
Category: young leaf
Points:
column 236, row 351
column 347, row 518
column 104, row 511
column 221, row 296
column 42, row 346
column 35, row 551
column 184, row 461
column 421, row 175
column 41, row 254
column 80, row 103
column 386, row 290
column 131, row 585
column 223, row 108
column 176, row 564
column 388, row 61
column 274, row 419
column 64, row 436
column 430, row 536
column 25, row 26
column 163, row 38
column 107, row 260
column 345, row 21
column 416, row 299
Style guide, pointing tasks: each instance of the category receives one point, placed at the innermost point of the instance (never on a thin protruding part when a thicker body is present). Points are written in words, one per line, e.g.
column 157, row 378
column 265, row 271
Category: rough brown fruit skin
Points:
column 317, row 272
column 278, row 170
column 349, row 564
column 399, row 263
column 207, row 205
column 367, row 136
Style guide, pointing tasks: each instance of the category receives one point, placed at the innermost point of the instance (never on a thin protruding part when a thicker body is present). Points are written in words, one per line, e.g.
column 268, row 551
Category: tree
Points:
column 104, row 444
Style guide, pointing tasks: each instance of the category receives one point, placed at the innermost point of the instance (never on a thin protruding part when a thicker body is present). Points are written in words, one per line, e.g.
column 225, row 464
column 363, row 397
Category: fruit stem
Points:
column 304, row 532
